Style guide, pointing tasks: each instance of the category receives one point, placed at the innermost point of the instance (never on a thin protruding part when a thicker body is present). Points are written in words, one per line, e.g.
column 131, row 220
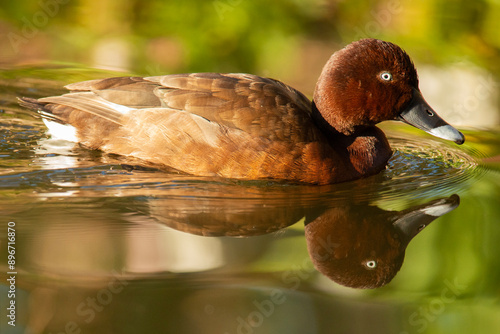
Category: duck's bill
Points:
column 412, row 221
column 422, row 116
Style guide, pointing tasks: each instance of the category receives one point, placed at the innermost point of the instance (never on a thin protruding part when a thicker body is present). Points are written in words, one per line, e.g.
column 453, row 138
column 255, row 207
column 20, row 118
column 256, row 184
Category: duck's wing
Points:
column 259, row 106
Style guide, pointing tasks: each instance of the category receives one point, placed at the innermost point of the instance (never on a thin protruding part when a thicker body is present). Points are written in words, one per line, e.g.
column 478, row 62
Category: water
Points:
column 101, row 247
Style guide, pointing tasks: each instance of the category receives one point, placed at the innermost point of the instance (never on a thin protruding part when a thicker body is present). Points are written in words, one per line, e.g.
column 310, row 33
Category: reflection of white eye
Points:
column 371, row 264
column 386, row 76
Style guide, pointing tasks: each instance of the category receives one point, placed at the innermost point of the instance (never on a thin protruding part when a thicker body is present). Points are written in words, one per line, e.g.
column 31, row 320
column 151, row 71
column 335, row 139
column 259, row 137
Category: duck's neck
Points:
column 366, row 148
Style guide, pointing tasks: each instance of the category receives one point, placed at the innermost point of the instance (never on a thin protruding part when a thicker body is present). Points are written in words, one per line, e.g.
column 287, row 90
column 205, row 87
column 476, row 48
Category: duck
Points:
column 247, row 127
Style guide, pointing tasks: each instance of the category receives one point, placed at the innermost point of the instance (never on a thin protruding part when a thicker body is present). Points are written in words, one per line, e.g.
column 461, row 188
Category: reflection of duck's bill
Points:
column 410, row 222
column 422, row 116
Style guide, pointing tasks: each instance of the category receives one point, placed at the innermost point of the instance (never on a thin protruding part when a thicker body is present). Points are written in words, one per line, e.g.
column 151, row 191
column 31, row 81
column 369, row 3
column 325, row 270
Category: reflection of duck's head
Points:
column 364, row 247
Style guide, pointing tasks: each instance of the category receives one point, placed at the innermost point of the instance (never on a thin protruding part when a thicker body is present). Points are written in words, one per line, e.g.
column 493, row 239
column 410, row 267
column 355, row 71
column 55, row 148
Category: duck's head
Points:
column 370, row 81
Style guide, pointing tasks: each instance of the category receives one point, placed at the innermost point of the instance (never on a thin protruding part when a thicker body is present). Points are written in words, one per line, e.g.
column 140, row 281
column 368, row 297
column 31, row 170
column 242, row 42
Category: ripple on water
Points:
column 420, row 168
column 426, row 167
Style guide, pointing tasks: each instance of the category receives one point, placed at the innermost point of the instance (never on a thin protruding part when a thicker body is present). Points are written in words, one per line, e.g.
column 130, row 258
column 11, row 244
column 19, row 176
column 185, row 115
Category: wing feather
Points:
column 260, row 106
column 90, row 103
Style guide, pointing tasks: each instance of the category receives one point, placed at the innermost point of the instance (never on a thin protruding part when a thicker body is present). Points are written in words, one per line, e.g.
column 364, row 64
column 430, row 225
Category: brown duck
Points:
column 244, row 126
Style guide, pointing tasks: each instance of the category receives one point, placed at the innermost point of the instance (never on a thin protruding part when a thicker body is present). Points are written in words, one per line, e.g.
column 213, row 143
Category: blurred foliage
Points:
column 260, row 36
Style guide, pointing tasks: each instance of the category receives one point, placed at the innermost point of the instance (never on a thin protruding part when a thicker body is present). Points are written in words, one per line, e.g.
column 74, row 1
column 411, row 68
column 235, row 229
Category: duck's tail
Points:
column 57, row 126
column 42, row 109
column 30, row 103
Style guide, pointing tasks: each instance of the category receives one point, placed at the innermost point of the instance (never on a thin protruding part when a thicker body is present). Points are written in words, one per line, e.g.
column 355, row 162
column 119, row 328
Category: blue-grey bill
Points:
column 412, row 221
column 420, row 115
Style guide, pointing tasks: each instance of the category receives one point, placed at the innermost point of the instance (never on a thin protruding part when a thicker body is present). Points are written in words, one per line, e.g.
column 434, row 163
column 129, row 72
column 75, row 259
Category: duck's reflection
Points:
column 364, row 246
column 354, row 244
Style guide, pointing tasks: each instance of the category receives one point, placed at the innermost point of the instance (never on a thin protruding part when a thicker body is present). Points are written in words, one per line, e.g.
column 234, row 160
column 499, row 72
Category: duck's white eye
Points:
column 372, row 264
column 386, row 76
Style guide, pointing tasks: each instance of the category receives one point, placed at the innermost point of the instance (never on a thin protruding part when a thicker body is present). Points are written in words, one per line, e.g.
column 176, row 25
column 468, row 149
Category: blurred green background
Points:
column 286, row 39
